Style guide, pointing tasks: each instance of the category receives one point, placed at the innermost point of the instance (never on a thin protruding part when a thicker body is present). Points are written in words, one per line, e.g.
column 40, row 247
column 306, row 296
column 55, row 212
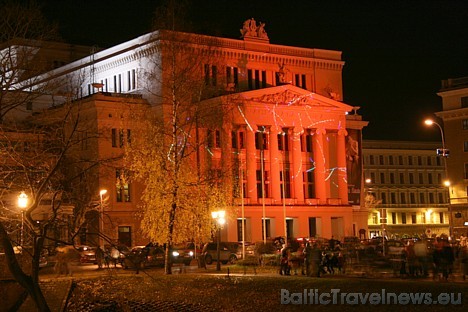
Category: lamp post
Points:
column 219, row 218
column 444, row 153
column 101, row 218
column 22, row 204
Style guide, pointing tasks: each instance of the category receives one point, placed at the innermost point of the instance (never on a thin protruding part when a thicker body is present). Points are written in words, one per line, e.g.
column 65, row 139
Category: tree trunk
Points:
column 27, row 282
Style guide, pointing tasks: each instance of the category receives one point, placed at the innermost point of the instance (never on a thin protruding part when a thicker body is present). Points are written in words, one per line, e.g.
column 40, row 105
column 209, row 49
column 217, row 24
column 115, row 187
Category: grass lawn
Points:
column 211, row 292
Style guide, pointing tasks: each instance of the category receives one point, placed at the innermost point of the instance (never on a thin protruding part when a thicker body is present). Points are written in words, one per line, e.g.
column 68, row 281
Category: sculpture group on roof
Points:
column 250, row 29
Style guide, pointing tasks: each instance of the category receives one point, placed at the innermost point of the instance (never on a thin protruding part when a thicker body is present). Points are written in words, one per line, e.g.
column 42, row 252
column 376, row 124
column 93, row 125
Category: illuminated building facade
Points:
column 289, row 120
column 454, row 94
column 406, row 180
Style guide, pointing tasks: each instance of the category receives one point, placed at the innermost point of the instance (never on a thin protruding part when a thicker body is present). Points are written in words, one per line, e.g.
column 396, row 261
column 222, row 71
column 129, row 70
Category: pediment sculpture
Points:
column 250, row 29
column 287, row 98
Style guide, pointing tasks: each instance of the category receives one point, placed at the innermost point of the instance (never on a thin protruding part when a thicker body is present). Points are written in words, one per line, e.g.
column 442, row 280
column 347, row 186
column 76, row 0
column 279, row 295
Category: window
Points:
column 412, row 198
column 237, row 138
column 465, row 146
column 466, row 170
column 114, row 137
column 382, row 178
column 429, row 176
column 214, row 139
column 309, row 184
column 411, row 178
column 232, row 77
column 422, row 198
column 419, row 161
column 441, row 217
column 402, row 198
column 255, row 80
column 300, row 80
column 390, row 160
column 239, row 229
column 392, row 178
column 393, row 198
column 372, row 177
column 402, row 178
column 121, row 138
column 421, row 178
column 122, row 186
column 375, row 218
column 410, row 160
column 211, row 75
column 129, row 81
column 307, row 146
column 429, row 160
column 465, row 124
column 431, row 198
column 403, row 218
column 381, row 160
column 371, row 159
column 440, row 198
column 267, row 232
column 383, row 197
column 393, row 217
column 285, row 181
column 259, row 183
column 413, row 218
column 261, row 138
column 464, row 101
column 400, row 160
column 283, row 141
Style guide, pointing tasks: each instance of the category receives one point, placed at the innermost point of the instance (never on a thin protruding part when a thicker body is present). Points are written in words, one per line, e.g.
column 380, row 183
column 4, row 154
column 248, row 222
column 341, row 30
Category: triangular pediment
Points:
column 290, row 95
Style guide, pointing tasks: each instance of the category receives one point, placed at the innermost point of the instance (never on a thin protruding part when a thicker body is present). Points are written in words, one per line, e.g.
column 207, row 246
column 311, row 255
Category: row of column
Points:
column 276, row 164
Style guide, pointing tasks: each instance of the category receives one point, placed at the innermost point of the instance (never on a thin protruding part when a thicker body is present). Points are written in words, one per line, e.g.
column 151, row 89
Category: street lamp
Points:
column 219, row 217
column 101, row 218
column 22, row 204
column 444, row 153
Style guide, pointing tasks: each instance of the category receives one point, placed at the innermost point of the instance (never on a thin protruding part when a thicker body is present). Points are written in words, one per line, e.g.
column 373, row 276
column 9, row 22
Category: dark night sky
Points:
column 396, row 52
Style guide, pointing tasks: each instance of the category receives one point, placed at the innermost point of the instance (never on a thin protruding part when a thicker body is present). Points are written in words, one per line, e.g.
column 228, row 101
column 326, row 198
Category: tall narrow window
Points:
column 129, row 136
column 259, row 183
column 114, row 137
column 285, row 183
column 121, row 138
column 261, row 138
column 402, row 198
column 250, row 79
column 122, row 186
column 309, row 184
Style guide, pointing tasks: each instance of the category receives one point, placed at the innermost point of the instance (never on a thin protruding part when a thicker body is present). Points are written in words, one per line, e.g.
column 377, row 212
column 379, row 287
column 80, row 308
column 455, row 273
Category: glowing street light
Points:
column 219, row 217
column 444, row 153
column 22, row 204
column 101, row 218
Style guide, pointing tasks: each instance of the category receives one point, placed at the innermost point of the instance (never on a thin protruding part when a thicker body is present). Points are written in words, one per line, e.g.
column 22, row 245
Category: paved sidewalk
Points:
column 56, row 292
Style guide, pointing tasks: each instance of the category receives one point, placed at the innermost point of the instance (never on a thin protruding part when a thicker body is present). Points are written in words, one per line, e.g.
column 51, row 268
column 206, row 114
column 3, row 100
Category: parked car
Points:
column 144, row 256
column 87, row 254
column 182, row 253
column 229, row 252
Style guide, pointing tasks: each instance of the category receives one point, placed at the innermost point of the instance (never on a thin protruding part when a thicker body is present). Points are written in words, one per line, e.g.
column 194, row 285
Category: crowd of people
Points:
column 418, row 258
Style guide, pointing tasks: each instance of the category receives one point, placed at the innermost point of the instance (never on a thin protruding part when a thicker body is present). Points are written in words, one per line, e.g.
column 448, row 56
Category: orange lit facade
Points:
column 297, row 145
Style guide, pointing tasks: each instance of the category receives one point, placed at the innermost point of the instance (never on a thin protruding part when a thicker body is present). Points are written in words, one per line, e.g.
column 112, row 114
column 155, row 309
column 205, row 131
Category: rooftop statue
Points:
column 250, row 29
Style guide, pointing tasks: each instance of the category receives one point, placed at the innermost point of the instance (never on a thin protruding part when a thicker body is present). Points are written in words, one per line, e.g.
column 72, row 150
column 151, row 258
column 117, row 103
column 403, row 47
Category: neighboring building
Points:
column 288, row 111
column 406, row 180
column 454, row 94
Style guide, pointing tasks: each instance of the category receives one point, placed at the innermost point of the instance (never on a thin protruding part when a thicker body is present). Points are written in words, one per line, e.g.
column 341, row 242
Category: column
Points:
column 319, row 156
column 251, row 160
column 297, row 178
column 275, row 159
column 341, row 161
